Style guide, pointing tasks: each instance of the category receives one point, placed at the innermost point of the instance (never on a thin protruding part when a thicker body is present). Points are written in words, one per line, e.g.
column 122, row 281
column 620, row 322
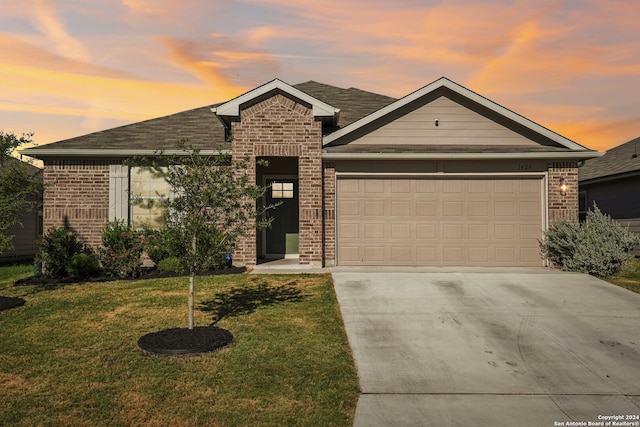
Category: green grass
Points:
column 629, row 278
column 11, row 273
column 69, row 357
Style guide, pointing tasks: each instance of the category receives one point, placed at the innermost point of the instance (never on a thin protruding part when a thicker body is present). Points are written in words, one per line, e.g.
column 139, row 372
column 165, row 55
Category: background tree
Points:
column 213, row 203
column 17, row 183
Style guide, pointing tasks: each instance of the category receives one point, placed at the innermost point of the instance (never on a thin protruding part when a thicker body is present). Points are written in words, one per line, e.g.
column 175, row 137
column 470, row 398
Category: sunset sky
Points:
column 71, row 67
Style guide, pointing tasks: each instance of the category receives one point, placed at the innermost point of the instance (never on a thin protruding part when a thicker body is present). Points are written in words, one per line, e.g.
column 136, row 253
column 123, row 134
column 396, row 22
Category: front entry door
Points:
column 282, row 236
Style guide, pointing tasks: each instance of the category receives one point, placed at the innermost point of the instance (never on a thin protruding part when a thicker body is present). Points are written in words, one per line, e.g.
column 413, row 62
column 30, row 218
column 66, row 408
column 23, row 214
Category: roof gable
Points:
column 462, row 96
column 232, row 108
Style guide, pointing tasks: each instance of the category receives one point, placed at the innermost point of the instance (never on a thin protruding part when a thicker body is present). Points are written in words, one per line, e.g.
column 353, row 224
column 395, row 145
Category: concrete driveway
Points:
column 491, row 348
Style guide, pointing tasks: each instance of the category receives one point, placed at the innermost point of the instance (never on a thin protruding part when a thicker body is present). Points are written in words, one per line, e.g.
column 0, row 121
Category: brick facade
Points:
column 77, row 196
column 329, row 214
column 280, row 126
column 563, row 206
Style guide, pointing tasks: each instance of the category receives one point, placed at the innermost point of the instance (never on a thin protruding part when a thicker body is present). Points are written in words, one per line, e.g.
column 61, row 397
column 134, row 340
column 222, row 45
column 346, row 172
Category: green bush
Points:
column 83, row 265
column 599, row 246
column 172, row 265
column 169, row 242
column 163, row 243
column 121, row 250
column 57, row 247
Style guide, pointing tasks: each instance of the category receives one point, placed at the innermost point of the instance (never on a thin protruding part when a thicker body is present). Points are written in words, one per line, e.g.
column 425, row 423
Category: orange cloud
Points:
column 47, row 20
column 42, row 83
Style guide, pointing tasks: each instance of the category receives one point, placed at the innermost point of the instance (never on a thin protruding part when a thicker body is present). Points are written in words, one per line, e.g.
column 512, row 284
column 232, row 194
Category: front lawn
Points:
column 629, row 278
column 69, row 356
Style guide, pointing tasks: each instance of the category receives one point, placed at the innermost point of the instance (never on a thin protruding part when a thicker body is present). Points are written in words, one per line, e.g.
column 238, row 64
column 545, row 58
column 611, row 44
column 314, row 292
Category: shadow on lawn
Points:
column 247, row 299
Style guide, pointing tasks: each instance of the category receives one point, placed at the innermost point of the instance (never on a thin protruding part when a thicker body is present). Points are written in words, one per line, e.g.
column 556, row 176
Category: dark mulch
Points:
column 10, row 302
column 150, row 273
column 183, row 341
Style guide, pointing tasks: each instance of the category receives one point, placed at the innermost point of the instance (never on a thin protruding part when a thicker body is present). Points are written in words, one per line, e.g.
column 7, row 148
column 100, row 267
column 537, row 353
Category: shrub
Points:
column 169, row 242
column 83, row 264
column 121, row 250
column 57, row 247
column 163, row 243
column 600, row 246
column 172, row 265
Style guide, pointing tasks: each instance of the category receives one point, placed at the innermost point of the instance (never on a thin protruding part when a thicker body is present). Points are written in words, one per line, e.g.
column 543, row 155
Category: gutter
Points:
column 97, row 152
column 571, row 155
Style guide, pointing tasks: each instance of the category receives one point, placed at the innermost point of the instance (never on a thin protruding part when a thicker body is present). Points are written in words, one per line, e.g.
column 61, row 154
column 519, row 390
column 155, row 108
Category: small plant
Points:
column 57, row 248
column 121, row 250
column 600, row 246
column 83, row 264
column 172, row 265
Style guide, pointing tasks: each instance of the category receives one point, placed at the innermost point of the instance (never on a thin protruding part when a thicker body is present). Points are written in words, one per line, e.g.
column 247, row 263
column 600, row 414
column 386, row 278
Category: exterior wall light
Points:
column 563, row 187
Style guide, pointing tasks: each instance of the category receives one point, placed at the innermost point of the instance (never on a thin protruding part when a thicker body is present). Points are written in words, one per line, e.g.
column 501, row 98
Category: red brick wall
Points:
column 329, row 213
column 279, row 126
column 563, row 206
column 77, row 195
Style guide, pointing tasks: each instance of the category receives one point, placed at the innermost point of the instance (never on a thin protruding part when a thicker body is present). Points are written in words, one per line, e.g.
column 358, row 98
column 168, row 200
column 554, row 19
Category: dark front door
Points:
column 282, row 236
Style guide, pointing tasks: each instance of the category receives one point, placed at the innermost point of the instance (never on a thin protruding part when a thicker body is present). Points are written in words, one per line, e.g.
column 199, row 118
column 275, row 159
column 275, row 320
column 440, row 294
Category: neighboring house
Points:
column 29, row 229
column 613, row 183
column 442, row 176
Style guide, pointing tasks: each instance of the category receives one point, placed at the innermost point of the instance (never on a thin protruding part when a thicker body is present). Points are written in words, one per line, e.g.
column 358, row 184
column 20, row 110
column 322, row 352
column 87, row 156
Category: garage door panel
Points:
column 452, row 208
column 374, row 231
column 349, row 231
column 426, row 231
column 426, row 208
column 374, row 186
column 427, row 221
column 374, row 254
column 478, row 255
column 478, row 231
column 402, row 231
column 453, row 255
column 349, row 208
column 373, row 208
column 402, row 208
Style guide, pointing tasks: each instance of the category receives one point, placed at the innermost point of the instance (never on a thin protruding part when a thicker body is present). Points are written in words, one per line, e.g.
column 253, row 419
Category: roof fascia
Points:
column 567, row 155
column 101, row 153
column 462, row 91
column 232, row 108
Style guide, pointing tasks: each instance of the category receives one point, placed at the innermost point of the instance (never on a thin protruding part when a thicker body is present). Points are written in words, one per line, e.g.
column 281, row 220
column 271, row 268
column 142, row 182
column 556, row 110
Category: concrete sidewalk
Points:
column 491, row 347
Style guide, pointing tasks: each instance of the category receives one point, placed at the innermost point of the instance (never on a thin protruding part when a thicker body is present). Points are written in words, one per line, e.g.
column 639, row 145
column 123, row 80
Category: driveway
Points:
column 491, row 348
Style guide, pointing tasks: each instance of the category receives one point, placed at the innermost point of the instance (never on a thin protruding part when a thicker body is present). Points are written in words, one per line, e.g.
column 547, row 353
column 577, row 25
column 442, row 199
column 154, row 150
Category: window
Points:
column 282, row 190
column 146, row 193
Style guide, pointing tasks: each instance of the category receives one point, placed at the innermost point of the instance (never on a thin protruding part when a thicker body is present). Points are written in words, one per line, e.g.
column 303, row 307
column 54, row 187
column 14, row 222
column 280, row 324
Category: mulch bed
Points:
column 10, row 302
column 183, row 341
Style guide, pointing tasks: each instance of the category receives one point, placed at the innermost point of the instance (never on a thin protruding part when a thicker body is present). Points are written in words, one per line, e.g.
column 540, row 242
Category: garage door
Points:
column 433, row 222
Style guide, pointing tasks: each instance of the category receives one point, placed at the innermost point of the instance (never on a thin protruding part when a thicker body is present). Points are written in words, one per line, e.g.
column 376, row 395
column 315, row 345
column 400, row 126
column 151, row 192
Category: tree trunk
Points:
column 192, row 274
column 191, row 292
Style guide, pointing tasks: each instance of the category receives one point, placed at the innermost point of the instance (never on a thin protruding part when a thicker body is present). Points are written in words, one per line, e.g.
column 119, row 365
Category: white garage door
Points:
column 432, row 222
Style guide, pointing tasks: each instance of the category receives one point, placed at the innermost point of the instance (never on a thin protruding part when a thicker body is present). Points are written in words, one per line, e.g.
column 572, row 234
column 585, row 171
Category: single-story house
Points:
column 613, row 183
column 442, row 176
column 28, row 230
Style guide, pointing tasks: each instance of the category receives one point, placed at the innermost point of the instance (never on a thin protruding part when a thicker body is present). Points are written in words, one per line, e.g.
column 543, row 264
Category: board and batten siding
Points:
column 118, row 192
column 457, row 125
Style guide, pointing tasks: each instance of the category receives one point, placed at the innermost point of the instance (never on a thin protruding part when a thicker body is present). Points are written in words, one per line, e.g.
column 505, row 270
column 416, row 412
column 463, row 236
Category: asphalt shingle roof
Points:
column 204, row 131
column 200, row 126
column 617, row 161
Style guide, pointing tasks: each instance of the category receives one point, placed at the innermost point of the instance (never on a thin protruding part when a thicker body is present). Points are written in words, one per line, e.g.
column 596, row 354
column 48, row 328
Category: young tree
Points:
column 17, row 183
column 213, row 203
